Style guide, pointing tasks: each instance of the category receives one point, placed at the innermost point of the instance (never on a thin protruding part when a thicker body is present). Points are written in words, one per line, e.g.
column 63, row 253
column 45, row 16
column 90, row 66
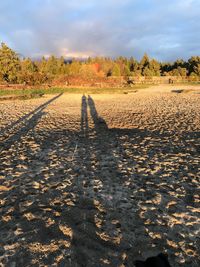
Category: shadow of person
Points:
column 102, row 202
column 84, row 117
column 91, row 243
column 27, row 116
column 99, row 122
column 62, row 208
column 99, row 209
column 23, row 125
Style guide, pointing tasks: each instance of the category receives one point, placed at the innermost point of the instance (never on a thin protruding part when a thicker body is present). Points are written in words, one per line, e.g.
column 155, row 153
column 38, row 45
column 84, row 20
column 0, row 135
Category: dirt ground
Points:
column 100, row 180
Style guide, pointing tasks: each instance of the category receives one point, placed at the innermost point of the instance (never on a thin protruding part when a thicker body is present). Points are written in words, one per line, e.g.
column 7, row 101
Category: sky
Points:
column 165, row 30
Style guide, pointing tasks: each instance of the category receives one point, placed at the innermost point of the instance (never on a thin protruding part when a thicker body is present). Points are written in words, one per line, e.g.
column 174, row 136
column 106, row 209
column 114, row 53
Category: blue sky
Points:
column 166, row 30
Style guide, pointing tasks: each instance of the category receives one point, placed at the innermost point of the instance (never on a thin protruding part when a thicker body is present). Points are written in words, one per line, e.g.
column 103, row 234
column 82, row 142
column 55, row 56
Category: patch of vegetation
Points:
column 81, row 90
column 14, row 70
column 188, row 83
column 21, row 92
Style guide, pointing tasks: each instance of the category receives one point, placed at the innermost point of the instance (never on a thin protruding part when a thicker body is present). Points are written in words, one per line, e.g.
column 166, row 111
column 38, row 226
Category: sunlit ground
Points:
column 100, row 180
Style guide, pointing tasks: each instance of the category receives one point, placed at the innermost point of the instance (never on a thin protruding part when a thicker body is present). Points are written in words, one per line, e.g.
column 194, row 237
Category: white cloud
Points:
column 106, row 27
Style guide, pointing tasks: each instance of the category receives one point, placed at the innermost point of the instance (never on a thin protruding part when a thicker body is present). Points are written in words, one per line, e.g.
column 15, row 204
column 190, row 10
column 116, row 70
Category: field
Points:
column 100, row 179
column 70, row 90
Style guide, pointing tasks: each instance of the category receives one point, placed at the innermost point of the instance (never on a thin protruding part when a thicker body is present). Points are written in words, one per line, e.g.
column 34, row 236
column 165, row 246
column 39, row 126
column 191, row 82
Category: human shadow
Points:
column 99, row 123
column 24, row 124
column 84, row 117
column 92, row 245
column 25, row 117
column 94, row 197
column 61, row 211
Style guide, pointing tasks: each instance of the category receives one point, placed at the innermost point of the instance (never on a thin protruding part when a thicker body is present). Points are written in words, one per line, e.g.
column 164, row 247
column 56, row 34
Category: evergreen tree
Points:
column 133, row 64
column 147, row 72
column 154, row 67
column 144, row 66
column 51, row 67
column 61, row 66
column 74, row 68
column 36, row 72
column 144, row 61
column 116, row 70
column 126, row 71
column 42, row 65
column 9, row 64
column 194, row 65
column 28, row 66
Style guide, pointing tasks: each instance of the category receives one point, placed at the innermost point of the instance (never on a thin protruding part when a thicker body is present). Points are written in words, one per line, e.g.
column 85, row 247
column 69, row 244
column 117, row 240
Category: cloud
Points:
column 165, row 30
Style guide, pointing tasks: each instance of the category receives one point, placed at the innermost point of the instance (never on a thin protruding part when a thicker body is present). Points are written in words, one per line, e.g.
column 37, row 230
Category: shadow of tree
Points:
column 98, row 197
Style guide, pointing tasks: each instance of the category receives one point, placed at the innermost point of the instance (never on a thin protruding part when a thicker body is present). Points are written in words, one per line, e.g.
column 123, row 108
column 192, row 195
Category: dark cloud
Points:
column 108, row 27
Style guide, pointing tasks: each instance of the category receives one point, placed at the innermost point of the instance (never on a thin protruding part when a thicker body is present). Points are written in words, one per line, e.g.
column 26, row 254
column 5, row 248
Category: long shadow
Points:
column 64, row 212
column 26, row 117
column 155, row 194
column 91, row 244
column 47, row 219
column 84, row 117
column 26, row 123
column 99, row 123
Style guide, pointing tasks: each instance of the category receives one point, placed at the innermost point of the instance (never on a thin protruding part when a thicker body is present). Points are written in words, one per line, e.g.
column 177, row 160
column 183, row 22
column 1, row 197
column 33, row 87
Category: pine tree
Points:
column 154, row 66
column 144, row 66
column 194, row 65
column 116, row 70
column 28, row 66
column 52, row 66
column 9, row 64
column 144, row 61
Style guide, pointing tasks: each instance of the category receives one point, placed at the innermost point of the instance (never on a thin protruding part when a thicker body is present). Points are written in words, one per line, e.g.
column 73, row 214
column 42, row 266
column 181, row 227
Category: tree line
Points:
column 14, row 69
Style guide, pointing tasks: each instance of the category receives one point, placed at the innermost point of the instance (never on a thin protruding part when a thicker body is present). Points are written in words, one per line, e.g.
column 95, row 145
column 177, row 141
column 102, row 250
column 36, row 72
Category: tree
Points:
column 27, row 75
column 28, row 66
column 51, row 66
column 147, row 72
column 144, row 66
column 144, row 61
column 154, row 67
column 74, row 68
column 179, row 63
column 194, row 63
column 42, row 65
column 87, row 71
column 126, row 71
column 133, row 64
column 197, row 69
column 14, row 70
column 106, row 67
column 116, row 70
column 165, row 68
column 182, row 71
column 61, row 66
column 9, row 64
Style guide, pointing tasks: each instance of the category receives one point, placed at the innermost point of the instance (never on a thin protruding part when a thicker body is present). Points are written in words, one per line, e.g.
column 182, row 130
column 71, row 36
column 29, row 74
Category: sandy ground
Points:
column 100, row 180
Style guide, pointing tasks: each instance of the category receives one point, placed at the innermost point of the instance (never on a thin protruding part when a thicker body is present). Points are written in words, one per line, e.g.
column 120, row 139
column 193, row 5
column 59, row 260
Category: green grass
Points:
column 57, row 90
column 187, row 83
column 19, row 92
